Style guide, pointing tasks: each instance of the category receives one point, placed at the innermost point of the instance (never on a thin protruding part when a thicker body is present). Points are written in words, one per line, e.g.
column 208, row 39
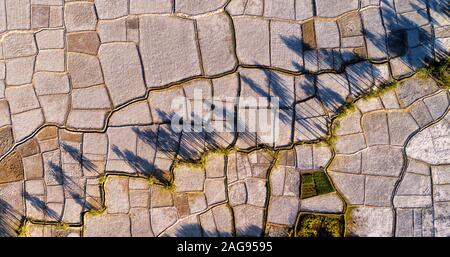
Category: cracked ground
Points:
column 87, row 147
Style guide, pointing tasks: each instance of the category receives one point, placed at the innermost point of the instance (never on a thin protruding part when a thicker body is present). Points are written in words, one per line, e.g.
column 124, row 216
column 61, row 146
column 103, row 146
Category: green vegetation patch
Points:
column 323, row 185
column 170, row 187
column 315, row 225
column 62, row 226
column 441, row 72
column 314, row 184
column 22, row 231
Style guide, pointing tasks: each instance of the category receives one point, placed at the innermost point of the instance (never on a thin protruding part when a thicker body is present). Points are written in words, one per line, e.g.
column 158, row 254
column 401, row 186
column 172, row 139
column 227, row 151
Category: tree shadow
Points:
column 167, row 139
column 196, row 230
column 224, row 119
column 321, row 59
column 10, row 220
column 278, row 88
column 71, row 187
column 428, row 46
column 397, row 43
column 307, row 86
column 190, row 144
column 441, row 7
column 315, row 128
column 313, row 122
column 255, row 86
column 330, row 97
column 140, row 165
column 78, row 157
column 297, row 45
column 361, row 78
column 402, row 31
column 40, row 205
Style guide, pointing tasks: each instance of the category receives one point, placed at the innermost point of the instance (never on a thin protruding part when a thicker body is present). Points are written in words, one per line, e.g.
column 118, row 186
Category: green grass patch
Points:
column 323, row 185
column 314, row 184
column 307, row 179
column 441, row 72
column 381, row 90
column 97, row 212
column 314, row 225
column 340, row 114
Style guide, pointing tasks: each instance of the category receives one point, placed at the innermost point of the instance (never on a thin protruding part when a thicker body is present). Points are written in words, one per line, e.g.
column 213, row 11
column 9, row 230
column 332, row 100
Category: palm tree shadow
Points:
column 71, row 187
column 297, row 45
column 10, row 220
column 78, row 156
column 402, row 31
column 140, row 165
column 40, row 205
column 195, row 230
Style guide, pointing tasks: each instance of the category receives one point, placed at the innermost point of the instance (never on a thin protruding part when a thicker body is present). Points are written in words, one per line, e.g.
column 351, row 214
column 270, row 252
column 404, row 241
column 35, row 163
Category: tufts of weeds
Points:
column 152, row 181
column 22, row 231
column 97, row 212
column 62, row 226
column 170, row 187
column 439, row 71
column 381, row 90
column 341, row 113
column 102, row 179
